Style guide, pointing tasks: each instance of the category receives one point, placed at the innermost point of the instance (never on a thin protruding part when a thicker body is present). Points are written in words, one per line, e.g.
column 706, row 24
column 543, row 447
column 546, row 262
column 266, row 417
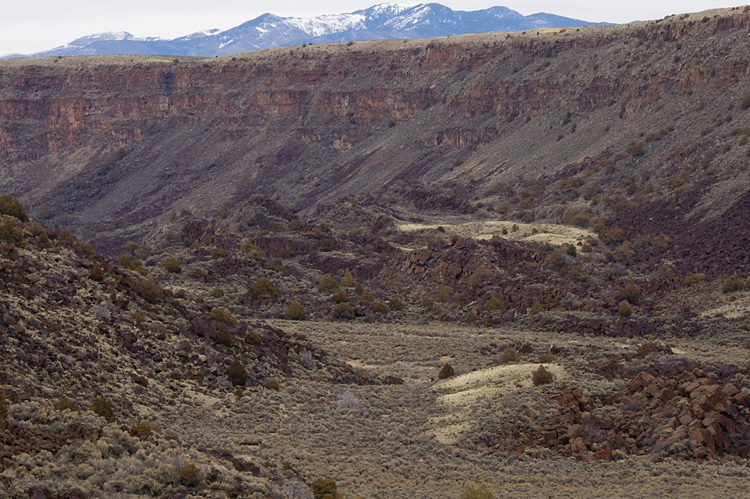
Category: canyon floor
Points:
column 419, row 439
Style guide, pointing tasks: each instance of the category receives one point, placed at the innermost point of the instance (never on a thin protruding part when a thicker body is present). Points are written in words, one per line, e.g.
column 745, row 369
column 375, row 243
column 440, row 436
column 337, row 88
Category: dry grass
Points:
column 554, row 234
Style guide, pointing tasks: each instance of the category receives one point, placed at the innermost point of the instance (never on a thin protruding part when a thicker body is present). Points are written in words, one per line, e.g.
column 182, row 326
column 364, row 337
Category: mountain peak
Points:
column 381, row 21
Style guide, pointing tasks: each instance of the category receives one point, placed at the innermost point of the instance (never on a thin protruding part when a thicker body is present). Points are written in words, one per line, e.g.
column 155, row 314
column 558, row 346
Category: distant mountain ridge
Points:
column 383, row 21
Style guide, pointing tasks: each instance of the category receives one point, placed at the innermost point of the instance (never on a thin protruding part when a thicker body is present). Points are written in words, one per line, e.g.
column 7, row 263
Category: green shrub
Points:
column 295, row 311
column 263, row 287
column 380, row 308
column 221, row 336
column 339, row 297
column 217, row 253
column 272, row 384
column 254, row 337
column 732, row 284
column 101, row 407
column 612, row 236
column 494, row 303
column 12, row 207
column 65, row 404
column 343, row 311
column 348, row 280
column 325, row 245
column 396, row 305
column 635, row 149
column 172, row 265
column 143, row 429
column 446, row 372
column 745, row 103
column 541, row 376
column 546, row 358
column 237, row 373
column 510, row 354
column 324, row 488
column 150, row 290
column 691, row 280
column 96, row 273
column 222, row 315
column 328, row 284
column 624, row 310
column 631, row 293
column 3, row 406
column 39, row 232
column 11, row 232
column 217, row 292
column 189, row 474
column 476, row 491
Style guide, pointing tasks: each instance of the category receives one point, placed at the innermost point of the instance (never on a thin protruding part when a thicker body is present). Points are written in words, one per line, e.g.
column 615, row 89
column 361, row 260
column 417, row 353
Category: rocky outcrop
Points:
column 688, row 414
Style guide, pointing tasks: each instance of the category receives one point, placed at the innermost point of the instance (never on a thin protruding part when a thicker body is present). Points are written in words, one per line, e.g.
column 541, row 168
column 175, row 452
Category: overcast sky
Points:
column 36, row 25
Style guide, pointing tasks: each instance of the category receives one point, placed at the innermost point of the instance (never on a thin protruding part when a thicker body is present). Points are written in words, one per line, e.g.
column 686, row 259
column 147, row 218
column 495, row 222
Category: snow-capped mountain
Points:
column 384, row 21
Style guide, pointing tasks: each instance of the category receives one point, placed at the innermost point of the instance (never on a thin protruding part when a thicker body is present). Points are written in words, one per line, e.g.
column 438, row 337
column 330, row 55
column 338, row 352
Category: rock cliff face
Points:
column 106, row 145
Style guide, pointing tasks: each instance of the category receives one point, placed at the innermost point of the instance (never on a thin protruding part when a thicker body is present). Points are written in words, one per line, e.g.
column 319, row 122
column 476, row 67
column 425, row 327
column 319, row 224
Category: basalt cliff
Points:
column 622, row 123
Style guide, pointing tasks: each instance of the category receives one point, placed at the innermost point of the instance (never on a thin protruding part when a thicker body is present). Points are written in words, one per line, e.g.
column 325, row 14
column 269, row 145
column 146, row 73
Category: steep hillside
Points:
column 607, row 124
